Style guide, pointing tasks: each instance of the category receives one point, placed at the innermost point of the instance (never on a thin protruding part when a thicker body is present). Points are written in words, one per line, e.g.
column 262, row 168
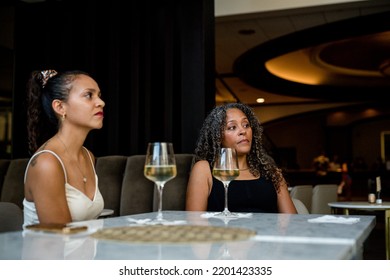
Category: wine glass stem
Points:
column 160, row 193
column 226, row 185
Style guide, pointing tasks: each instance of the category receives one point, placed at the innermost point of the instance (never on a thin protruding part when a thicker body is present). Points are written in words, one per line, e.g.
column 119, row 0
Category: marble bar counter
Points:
column 276, row 237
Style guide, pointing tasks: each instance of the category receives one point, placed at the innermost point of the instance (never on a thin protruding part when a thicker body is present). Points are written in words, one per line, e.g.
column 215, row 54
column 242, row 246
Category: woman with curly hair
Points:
column 260, row 186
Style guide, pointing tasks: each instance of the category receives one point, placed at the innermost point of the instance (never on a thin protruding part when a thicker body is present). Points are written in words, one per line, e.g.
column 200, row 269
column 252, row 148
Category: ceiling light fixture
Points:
column 260, row 100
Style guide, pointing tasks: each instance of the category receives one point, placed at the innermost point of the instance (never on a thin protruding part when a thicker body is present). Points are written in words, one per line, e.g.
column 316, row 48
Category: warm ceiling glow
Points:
column 285, row 67
column 338, row 117
column 370, row 113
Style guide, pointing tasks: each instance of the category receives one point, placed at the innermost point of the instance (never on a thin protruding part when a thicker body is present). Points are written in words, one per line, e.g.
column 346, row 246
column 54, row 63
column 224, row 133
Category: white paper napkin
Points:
column 334, row 219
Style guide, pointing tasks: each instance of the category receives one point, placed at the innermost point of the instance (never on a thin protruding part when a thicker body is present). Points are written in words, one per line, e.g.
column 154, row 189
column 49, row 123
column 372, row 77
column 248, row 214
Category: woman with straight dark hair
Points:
column 61, row 184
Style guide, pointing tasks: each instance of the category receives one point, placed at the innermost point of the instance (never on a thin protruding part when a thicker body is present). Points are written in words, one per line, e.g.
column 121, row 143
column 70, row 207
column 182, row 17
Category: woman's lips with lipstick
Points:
column 243, row 141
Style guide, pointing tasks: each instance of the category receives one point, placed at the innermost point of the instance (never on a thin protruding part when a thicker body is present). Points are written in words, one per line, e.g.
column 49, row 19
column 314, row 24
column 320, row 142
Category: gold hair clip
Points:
column 46, row 75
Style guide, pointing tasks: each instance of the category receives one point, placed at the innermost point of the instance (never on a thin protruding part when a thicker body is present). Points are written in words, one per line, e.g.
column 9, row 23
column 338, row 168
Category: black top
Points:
column 258, row 195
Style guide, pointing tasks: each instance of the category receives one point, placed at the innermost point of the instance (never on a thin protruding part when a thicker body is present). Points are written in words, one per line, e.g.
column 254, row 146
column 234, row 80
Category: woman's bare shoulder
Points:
column 45, row 161
column 201, row 165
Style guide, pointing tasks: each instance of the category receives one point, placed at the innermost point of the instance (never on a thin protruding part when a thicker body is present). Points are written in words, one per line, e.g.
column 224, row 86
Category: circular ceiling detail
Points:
column 345, row 60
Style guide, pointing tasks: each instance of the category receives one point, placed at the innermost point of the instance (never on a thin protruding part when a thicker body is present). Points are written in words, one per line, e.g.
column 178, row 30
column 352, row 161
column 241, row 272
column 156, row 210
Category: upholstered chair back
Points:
column 110, row 170
column 4, row 163
column 322, row 195
column 304, row 193
column 11, row 217
column 137, row 191
column 13, row 190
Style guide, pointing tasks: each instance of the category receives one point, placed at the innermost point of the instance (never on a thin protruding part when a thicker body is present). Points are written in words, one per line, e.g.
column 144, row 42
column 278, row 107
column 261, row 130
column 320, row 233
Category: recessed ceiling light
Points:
column 260, row 100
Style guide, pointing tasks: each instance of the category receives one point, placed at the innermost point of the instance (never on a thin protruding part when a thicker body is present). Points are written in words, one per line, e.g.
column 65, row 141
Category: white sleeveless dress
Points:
column 80, row 206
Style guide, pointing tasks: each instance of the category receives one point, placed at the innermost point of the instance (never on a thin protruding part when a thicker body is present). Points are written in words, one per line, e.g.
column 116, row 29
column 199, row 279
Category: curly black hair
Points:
column 210, row 139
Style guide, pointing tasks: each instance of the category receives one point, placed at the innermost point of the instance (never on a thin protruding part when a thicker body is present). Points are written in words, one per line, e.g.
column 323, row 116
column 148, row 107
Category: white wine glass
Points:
column 226, row 170
column 160, row 167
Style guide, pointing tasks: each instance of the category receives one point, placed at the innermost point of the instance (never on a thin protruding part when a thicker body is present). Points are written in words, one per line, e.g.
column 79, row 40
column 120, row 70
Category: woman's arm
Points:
column 285, row 203
column 199, row 187
column 45, row 185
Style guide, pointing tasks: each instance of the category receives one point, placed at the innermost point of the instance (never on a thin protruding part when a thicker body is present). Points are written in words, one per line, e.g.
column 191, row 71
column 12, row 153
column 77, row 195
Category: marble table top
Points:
column 278, row 237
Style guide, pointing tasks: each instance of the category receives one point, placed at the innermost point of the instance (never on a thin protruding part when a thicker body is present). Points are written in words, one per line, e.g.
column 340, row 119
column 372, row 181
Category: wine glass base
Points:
column 141, row 222
column 226, row 213
column 219, row 215
column 157, row 222
column 226, row 219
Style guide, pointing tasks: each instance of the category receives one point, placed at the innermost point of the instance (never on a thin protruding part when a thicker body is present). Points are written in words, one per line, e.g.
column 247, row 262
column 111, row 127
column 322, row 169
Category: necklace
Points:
column 78, row 165
column 244, row 169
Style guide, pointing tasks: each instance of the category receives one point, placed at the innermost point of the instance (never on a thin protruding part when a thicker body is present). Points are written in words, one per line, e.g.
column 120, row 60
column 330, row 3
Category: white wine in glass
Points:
column 160, row 167
column 226, row 170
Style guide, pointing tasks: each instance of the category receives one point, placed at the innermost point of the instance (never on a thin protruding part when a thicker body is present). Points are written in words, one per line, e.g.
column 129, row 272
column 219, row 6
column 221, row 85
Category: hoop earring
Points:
column 63, row 116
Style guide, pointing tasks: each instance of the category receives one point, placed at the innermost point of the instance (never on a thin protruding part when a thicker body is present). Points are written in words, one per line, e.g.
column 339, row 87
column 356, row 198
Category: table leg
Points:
column 334, row 211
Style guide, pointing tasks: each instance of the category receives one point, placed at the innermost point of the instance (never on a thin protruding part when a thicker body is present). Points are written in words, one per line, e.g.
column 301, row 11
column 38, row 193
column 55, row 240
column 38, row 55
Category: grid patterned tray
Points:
column 173, row 233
